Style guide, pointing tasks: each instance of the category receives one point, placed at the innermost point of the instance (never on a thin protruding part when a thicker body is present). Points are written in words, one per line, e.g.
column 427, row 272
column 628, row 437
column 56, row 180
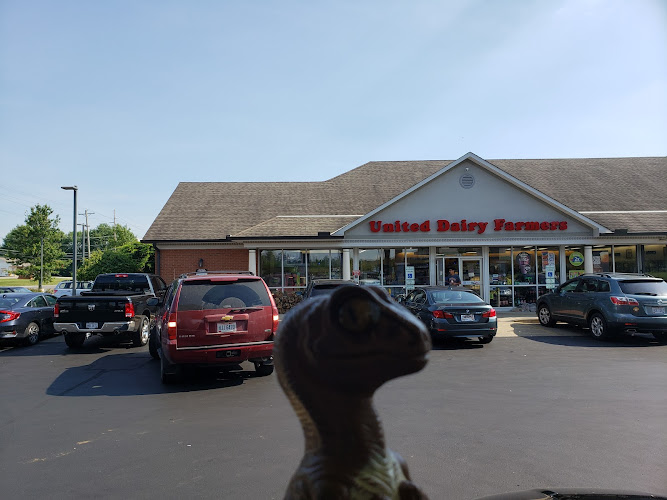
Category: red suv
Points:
column 216, row 319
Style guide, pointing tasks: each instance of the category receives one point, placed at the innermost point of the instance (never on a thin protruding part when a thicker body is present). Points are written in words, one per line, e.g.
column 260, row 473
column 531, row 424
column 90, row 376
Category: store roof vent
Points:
column 467, row 181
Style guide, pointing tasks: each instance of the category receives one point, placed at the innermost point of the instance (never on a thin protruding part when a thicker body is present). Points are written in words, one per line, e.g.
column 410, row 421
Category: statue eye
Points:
column 358, row 314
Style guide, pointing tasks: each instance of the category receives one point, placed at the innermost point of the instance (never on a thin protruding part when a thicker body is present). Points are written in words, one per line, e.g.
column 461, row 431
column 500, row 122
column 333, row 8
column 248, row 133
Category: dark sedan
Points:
column 25, row 317
column 453, row 312
column 14, row 289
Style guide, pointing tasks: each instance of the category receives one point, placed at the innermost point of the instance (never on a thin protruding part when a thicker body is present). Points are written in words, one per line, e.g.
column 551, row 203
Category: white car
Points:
column 65, row 287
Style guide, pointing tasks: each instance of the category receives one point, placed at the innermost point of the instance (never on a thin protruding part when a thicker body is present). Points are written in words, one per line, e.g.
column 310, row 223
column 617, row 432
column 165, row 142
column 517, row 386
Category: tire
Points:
column 169, row 374
column 152, row 345
column 485, row 340
column 545, row 317
column 75, row 340
column 31, row 334
column 661, row 337
column 599, row 328
column 263, row 370
column 141, row 337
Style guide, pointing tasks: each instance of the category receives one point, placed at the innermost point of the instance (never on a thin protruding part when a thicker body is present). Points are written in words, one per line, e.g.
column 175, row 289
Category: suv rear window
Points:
column 204, row 294
column 643, row 287
column 326, row 289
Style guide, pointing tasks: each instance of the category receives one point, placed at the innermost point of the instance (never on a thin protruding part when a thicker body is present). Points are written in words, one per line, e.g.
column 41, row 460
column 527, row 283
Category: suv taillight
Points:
column 491, row 313
column 623, row 301
column 171, row 327
column 276, row 320
column 56, row 310
column 129, row 310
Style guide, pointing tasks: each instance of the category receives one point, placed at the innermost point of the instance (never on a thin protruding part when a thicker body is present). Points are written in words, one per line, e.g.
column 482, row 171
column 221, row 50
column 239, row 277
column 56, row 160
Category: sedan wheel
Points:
column 661, row 337
column 32, row 334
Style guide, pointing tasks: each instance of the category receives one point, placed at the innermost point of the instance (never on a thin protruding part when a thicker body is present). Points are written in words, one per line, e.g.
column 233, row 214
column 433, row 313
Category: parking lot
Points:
column 535, row 408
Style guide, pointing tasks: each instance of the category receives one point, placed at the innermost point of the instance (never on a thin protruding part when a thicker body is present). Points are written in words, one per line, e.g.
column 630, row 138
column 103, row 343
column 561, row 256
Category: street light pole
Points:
column 75, row 189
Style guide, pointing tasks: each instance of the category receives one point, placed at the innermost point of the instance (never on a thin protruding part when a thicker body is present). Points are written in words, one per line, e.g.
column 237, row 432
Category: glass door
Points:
column 471, row 274
column 465, row 271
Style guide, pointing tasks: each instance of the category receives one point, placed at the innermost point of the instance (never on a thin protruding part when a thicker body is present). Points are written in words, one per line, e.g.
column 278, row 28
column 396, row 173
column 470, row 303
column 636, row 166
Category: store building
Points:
column 511, row 229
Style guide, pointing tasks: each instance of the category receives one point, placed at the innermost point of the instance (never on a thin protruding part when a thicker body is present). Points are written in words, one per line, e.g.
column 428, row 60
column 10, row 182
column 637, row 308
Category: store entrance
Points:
column 469, row 269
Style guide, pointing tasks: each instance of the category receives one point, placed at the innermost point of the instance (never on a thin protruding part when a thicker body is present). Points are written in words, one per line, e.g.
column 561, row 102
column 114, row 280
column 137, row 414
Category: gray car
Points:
column 453, row 312
column 25, row 317
column 609, row 304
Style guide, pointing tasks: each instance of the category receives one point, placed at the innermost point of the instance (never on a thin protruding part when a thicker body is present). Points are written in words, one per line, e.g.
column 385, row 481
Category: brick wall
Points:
column 176, row 262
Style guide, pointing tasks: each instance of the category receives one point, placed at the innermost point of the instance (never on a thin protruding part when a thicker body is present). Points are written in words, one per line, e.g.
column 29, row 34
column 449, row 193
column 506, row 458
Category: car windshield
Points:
column 198, row 295
column 644, row 287
column 454, row 297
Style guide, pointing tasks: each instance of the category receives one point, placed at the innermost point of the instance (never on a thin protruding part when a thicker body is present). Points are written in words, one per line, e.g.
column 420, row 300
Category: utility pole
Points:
column 83, row 242
column 41, row 266
column 85, row 228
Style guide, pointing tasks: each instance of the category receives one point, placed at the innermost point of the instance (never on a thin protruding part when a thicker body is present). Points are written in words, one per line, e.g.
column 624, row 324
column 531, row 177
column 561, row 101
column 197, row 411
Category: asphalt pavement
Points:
column 536, row 408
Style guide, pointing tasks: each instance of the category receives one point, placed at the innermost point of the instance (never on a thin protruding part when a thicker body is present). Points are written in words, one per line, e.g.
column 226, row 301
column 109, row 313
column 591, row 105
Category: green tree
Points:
column 103, row 237
column 23, row 244
column 133, row 257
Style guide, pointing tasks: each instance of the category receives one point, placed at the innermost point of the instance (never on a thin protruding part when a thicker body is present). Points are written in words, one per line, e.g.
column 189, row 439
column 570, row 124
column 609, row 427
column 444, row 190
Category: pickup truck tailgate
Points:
column 88, row 309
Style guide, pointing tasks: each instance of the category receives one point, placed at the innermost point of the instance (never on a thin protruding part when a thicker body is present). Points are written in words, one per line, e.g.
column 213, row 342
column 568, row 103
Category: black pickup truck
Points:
column 116, row 305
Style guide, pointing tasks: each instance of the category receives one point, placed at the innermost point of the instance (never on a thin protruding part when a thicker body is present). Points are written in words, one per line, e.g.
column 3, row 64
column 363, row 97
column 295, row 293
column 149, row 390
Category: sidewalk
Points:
column 511, row 321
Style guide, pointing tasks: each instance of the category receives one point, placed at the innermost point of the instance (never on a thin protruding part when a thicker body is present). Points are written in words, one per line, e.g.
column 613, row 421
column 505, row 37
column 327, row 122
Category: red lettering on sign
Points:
column 443, row 225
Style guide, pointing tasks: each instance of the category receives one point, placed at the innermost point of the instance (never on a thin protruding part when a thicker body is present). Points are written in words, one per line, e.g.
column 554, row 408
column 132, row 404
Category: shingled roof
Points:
column 619, row 193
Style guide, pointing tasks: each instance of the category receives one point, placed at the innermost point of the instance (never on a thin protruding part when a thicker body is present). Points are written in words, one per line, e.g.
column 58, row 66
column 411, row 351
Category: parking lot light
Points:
column 74, row 189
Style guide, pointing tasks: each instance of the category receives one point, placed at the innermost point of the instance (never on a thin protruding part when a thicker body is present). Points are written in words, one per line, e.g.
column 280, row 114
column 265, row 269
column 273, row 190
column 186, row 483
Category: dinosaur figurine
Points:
column 331, row 354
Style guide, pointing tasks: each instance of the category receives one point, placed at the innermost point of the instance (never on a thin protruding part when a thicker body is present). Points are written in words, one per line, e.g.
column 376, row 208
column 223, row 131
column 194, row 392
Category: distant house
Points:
column 5, row 267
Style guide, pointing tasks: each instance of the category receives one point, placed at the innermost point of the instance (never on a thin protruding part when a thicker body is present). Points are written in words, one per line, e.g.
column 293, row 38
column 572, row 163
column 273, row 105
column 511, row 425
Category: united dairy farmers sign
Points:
column 478, row 227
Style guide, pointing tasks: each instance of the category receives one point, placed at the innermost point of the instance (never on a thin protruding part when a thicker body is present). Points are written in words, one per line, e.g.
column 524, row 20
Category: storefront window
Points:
column 318, row 264
column 655, row 260
column 524, row 265
column 336, row 264
column 294, row 268
column 369, row 265
column 625, row 259
column 548, row 265
column 524, row 295
column 574, row 262
column 270, row 267
column 393, row 268
column 418, row 258
column 602, row 261
column 500, row 265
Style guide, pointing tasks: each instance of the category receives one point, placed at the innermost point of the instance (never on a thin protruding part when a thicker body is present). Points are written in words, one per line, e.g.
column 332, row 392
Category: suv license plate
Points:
column 467, row 317
column 227, row 327
column 658, row 310
column 228, row 354
column 92, row 326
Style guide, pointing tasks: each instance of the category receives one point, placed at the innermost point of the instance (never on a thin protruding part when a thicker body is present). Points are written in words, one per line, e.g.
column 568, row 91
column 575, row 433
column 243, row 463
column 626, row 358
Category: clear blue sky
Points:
column 127, row 98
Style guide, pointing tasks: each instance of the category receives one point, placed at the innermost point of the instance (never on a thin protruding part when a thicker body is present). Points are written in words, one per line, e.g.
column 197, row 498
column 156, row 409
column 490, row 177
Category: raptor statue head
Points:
column 331, row 354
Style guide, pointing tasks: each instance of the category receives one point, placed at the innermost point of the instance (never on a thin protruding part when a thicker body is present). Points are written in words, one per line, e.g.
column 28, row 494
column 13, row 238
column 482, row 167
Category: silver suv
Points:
column 609, row 303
